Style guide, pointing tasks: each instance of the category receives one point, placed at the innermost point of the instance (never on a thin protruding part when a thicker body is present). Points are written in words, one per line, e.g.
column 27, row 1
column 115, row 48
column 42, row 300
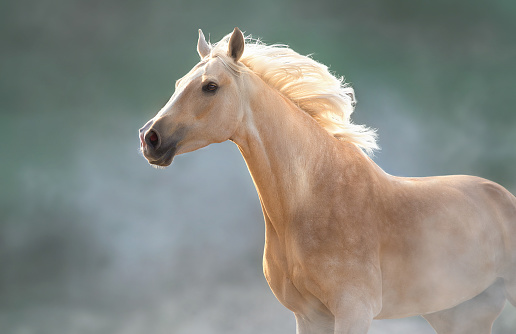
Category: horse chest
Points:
column 279, row 276
column 286, row 278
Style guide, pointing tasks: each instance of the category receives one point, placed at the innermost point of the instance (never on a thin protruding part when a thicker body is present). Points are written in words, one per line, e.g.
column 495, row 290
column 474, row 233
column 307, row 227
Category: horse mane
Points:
column 306, row 82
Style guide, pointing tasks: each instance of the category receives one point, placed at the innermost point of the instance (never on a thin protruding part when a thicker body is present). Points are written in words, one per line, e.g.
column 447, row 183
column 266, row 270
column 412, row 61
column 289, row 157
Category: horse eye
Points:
column 210, row 87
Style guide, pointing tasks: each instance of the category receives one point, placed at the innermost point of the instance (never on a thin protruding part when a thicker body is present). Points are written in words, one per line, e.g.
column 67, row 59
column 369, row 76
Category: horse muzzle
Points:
column 154, row 147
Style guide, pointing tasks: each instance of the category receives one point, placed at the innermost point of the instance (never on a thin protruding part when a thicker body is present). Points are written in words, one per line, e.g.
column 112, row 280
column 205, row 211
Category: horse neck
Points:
column 289, row 154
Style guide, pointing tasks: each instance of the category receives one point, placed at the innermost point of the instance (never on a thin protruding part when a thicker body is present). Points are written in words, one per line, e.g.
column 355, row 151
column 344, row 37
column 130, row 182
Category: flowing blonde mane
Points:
column 309, row 84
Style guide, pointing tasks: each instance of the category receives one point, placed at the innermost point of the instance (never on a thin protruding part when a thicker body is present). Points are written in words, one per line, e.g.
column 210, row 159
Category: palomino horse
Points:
column 346, row 243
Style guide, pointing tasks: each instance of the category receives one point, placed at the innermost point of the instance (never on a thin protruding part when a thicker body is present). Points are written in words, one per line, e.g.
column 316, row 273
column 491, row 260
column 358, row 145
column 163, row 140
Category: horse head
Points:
column 205, row 108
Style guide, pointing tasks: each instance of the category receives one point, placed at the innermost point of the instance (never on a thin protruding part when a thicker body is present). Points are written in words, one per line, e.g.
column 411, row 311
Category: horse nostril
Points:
column 152, row 139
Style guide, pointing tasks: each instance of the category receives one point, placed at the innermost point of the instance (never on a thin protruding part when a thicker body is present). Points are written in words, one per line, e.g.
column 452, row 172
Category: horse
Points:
column 345, row 242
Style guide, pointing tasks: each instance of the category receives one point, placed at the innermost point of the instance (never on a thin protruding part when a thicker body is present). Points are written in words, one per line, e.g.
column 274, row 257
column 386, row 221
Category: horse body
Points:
column 346, row 242
column 447, row 239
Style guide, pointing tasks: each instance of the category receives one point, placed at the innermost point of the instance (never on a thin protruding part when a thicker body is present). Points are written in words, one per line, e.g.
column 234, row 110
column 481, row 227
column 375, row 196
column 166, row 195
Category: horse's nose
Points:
column 145, row 137
column 151, row 138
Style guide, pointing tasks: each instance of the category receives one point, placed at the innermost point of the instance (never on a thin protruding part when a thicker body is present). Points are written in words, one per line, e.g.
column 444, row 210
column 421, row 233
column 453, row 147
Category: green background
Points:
column 94, row 240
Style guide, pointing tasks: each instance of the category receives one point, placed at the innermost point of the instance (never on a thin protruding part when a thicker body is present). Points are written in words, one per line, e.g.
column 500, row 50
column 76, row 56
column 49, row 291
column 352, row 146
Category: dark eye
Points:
column 210, row 87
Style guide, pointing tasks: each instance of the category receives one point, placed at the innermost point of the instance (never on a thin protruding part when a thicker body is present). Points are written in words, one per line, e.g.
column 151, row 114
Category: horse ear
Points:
column 202, row 46
column 236, row 45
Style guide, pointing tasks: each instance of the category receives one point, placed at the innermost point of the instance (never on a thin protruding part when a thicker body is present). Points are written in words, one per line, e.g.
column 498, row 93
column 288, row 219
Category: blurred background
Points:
column 94, row 240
